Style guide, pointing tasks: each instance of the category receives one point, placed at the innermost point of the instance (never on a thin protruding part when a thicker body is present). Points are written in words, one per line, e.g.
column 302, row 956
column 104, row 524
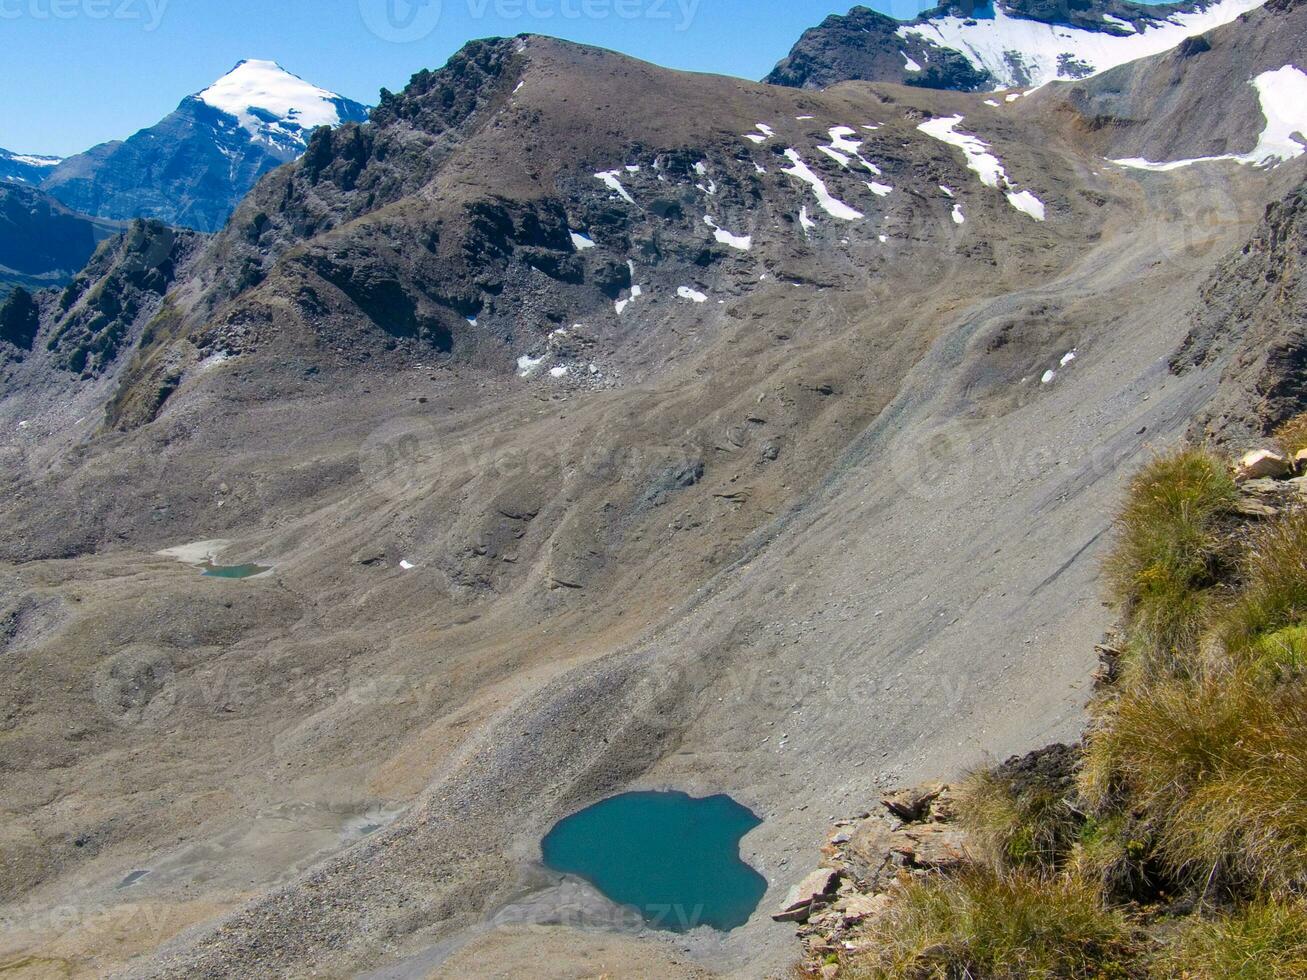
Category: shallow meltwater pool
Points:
column 233, row 571
column 674, row 859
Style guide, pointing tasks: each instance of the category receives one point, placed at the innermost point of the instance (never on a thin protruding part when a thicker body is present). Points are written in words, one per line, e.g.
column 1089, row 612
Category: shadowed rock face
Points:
column 1253, row 318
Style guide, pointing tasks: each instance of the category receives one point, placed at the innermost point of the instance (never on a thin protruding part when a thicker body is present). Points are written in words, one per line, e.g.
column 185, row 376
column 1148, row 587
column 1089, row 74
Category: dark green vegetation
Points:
column 673, row 858
column 1174, row 843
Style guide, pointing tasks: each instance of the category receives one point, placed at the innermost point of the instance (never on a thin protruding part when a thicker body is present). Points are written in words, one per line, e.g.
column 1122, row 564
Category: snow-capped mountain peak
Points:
column 273, row 105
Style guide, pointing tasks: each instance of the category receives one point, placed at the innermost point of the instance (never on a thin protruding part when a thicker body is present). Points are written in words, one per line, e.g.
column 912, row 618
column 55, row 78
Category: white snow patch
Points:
column 843, row 147
column 622, row 304
column 829, row 203
column 880, row 190
column 559, row 372
column 407, row 565
column 766, row 130
column 958, row 216
column 1067, row 358
column 987, row 43
column 883, row 238
column 255, row 90
column 804, row 118
column 685, row 292
column 526, row 365
column 24, row 424
column 996, row 105
column 581, row 242
column 32, row 161
column 519, row 86
column 633, row 169
column 1048, row 378
column 755, row 138
column 724, row 237
column 982, row 162
column 1027, row 203
column 760, row 168
column 947, row 191
column 909, row 64
column 1283, row 94
column 701, row 168
column 805, row 221
column 612, row 179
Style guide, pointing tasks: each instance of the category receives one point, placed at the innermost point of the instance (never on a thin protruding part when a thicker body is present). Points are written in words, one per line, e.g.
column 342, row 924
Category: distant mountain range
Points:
column 43, row 243
column 1012, row 44
column 193, row 167
column 24, row 168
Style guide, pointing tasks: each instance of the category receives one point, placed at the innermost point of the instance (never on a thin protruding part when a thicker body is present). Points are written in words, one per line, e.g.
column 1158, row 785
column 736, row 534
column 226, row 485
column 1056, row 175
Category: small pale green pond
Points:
column 674, row 859
column 233, row 571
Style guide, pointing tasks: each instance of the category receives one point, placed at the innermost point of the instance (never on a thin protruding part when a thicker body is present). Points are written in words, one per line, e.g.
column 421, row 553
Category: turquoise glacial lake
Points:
column 234, row 571
column 674, row 859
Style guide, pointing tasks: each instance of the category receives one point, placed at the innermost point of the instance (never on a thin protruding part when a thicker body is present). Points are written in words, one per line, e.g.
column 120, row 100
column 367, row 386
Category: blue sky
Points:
column 78, row 72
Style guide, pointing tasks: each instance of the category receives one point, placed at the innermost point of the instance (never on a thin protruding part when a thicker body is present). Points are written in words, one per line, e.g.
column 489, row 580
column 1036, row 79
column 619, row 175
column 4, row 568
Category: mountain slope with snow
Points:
column 26, row 168
column 194, row 166
column 1013, row 44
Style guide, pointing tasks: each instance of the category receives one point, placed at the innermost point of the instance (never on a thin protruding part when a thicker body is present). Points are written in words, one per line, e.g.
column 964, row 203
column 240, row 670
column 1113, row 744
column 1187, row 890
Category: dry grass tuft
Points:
column 1265, row 941
column 1292, row 435
column 990, row 924
column 1218, row 765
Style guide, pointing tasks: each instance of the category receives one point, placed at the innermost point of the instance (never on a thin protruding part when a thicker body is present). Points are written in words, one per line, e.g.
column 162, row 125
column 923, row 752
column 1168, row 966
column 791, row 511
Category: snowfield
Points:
column 255, row 89
column 1038, row 48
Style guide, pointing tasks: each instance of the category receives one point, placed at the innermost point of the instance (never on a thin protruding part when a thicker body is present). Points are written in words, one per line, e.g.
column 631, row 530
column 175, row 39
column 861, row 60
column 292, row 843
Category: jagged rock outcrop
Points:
column 1253, row 317
column 125, row 281
column 864, row 45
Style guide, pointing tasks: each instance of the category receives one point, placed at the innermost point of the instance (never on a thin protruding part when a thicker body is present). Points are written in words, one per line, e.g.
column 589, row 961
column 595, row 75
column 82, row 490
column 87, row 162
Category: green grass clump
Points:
column 1274, row 595
column 1169, row 553
column 1218, row 767
column 1033, row 828
column 1263, row 941
column 985, row 923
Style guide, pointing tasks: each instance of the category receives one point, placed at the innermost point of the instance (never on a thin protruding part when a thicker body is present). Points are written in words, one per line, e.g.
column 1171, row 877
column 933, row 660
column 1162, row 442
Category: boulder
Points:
column 913, row 805
column 860, row 908
column 932, row 847
column 1300, row 461
column 1261, row 464
column 810, row 891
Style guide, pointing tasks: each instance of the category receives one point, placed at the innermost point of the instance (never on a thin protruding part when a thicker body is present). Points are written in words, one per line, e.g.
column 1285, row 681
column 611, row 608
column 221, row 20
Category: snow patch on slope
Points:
column 1283, row 95
column 989, row 168
column 829, row 203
